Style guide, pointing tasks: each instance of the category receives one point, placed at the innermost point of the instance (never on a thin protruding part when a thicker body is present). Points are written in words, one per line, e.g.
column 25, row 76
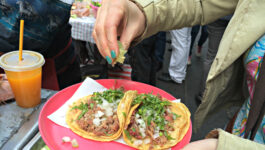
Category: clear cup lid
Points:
column 30, row 61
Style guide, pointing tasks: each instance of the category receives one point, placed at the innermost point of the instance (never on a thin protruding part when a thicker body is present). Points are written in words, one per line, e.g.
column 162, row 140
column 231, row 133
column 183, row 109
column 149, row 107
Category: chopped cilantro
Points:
column 91, row 105
column 175, row 116
column 128, row 134
column 110, row 95
column 82, row 114
column 152, row 109
column 107, row 133
column 160, row 133
column 168, row 137
column 83, row 107
column 133, row 129
column 124, row 114
column 149, row 120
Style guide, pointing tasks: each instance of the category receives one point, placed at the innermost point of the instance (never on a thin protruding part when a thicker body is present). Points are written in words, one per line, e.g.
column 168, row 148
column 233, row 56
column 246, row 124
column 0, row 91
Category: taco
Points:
column 155, row 123
column 100, row 116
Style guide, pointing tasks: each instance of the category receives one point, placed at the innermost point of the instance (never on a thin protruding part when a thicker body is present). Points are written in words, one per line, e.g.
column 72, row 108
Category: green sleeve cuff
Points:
column 227, row 141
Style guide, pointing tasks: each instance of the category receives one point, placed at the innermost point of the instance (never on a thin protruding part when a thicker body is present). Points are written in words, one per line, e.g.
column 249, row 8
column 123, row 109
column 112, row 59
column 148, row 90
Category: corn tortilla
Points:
column 122, row 112
column 181, row 126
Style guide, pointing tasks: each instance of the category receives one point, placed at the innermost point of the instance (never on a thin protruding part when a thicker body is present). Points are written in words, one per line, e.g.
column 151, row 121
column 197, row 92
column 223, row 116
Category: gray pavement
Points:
column 188, row 90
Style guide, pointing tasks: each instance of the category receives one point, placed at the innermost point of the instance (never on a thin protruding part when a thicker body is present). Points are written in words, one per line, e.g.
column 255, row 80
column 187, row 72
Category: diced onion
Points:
column 141, row 122
column 105, row 103
column 142, row 131
column 96, row 121
column 115, row 109
column 137, row 116
column 137, row 142
column 108, row 107
column 99, row 114
column 156, row 135
column 66, row 139
column 142, row 126
column 109, row 112
column 74, row 143
column 148, row 112
column 147, row 141
column 112, row 105
column 156, row 132
column 118, row 101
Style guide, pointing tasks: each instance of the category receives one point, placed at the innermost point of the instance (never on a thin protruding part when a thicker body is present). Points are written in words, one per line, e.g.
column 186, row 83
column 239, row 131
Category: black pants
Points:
column 215, row 32
column 194, row 32
column 68, row 68
column 71, row 75
column 143, row 61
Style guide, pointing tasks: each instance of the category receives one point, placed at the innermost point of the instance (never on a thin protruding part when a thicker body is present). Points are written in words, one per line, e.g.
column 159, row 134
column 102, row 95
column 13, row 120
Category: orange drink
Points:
column 24, row 76
column 26, row 86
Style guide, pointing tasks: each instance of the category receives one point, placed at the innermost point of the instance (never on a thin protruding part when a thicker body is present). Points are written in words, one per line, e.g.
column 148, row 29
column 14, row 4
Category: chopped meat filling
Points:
column 169, row 117
column 108, row 126
column 161, row 140
column 134, row 129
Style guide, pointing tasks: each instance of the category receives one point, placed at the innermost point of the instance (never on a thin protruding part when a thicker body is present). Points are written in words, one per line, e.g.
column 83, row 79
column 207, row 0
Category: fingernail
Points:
column 113, row 54
column 108, row 59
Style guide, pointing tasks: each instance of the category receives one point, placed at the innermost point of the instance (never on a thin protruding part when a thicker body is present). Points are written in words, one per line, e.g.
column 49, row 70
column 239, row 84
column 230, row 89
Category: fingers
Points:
column 109, row 19
column 126, row 38
column 117, row 17
column 112, row 26
column 111, row 33
column 100, row 36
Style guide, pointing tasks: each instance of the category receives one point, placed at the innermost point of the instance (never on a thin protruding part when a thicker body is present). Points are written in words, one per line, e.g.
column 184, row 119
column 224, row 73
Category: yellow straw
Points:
column 21, row 39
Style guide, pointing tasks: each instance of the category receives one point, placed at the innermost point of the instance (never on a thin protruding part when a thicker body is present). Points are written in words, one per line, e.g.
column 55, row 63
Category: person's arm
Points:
column 131, row 19
column 172, row 14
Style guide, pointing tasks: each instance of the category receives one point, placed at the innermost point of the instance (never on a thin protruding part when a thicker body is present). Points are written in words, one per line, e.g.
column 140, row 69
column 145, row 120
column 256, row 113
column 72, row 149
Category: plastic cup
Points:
column 24, row 76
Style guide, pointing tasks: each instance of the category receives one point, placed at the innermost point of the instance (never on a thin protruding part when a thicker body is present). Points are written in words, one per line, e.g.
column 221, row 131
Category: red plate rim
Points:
column 71, row 89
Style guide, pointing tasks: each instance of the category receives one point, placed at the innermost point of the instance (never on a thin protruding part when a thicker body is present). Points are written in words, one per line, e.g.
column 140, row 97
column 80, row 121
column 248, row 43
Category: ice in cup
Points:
column 24, row 76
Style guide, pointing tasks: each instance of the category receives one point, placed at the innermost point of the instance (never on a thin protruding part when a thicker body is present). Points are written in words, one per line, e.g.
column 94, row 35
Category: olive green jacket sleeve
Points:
column 227, row 141
column 164, row 15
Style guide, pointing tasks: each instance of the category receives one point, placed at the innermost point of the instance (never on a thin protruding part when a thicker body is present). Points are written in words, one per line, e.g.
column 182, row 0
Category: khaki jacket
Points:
column 225, row 79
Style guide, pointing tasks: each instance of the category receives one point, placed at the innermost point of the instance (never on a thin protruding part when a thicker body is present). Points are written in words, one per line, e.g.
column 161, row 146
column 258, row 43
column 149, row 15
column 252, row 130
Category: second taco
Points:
column 155, row 123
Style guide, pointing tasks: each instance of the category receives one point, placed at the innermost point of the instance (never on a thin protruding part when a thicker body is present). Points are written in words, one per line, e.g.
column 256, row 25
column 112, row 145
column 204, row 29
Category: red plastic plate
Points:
column 52, row 133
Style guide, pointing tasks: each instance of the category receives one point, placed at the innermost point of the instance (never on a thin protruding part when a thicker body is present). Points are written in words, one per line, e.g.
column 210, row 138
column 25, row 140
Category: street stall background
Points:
column 19, row 127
